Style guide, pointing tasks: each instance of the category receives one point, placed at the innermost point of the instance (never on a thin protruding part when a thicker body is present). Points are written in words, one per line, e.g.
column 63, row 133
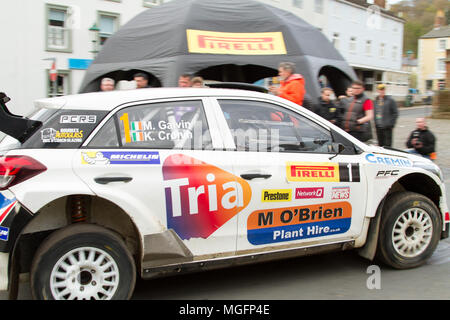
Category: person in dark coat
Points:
column 326, row 108
column 421, row 141
column 141, row 80
column 386, row 114
column 357, row 113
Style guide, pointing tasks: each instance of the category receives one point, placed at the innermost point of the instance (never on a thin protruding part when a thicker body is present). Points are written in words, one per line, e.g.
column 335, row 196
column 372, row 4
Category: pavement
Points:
column 439, row 127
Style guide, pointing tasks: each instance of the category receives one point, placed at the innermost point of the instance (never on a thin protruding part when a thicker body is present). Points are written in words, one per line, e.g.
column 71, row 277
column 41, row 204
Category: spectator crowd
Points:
column 353, row 112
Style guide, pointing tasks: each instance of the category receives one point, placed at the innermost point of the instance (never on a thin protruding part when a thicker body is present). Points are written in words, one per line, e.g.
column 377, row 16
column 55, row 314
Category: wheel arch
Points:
column 414, row 182
column 73, row 209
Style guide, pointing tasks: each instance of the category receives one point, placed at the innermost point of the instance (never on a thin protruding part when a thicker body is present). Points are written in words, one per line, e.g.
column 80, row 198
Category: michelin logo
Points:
column 106, row 158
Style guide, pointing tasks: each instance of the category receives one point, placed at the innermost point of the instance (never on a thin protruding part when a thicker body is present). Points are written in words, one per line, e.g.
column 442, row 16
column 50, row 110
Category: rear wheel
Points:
column 409, row 231
column 83, row 262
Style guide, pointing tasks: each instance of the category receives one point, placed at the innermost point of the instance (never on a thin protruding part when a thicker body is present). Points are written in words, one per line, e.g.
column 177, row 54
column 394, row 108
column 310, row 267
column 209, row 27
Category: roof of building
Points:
column 442, row 32
column 363, row 3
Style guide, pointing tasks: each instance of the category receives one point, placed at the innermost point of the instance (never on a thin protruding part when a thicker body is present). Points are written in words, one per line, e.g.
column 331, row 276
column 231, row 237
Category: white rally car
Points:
column 99, row 188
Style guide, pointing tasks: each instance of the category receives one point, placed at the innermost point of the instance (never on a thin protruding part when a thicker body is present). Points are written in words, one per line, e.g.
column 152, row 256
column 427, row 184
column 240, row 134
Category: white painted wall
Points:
column 353, row 21
column 23, row 36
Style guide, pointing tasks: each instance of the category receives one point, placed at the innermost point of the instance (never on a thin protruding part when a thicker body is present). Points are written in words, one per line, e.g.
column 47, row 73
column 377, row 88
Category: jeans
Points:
column 384, row 136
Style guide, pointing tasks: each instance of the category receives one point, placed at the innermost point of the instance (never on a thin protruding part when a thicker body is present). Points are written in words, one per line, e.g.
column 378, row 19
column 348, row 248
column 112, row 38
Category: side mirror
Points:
column 338, row 148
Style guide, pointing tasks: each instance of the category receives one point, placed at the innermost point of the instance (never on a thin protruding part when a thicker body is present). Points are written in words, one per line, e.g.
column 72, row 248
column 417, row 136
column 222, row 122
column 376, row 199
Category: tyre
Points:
column 409, row 231
column 82, row 262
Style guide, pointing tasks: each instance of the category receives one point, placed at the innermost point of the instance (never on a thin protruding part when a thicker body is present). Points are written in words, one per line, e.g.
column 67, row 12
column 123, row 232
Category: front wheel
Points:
column 82, row 262
column 409, row 231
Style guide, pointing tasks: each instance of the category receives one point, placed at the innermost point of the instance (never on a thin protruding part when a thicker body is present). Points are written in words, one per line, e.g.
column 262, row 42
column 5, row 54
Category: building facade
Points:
column 368, row 36
column 371, row 40
column 36, row 33
column 432, row 57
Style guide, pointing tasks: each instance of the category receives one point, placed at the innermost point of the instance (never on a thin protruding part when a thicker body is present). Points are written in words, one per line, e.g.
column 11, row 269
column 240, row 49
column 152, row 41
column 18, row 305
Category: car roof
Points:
column 109, row 100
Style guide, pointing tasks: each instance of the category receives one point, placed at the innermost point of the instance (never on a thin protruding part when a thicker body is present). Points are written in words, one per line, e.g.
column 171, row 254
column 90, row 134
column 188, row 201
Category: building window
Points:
column 368, row 47
column 318, row 6
column 60, row 87
column 336, row 41
column 297, row 4
column 441, row 67
column 394, row 53
column 352, row 47
column 108, row 24
column 58, row 33
column 382, row 50
column 442, row 44
column 152, row 3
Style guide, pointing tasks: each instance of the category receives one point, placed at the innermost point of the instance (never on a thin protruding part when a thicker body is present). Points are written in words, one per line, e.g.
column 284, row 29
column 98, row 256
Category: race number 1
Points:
column 349, row 172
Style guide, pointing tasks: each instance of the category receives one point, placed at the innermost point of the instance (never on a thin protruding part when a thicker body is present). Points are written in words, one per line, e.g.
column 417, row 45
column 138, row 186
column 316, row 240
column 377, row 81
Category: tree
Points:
column 419, row 16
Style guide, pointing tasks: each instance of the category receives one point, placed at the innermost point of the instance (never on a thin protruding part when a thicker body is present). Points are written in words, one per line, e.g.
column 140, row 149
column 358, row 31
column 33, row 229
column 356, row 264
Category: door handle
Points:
column 251, row 176
column 106, row 180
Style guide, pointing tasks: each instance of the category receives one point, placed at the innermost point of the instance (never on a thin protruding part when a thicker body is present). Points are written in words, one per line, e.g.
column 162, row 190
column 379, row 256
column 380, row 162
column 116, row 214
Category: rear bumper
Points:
column 13, row 219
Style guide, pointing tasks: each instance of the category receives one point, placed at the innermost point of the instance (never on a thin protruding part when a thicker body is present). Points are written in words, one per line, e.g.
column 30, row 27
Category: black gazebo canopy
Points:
column 223, row 40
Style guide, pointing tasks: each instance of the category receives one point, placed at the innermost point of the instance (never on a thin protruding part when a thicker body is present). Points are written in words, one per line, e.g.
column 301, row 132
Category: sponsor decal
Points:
column 262, row 43
column 106, row 158
column 6, row 205
column 141, row 131
column 80, row 119
column 387, row 174
column 201, row 198
column 63, row 135
column 387, row 160
column 297, row 223
column 4, row 233
column 276, row 195
column 322, row 172
column 309, row 193
column 340, row 193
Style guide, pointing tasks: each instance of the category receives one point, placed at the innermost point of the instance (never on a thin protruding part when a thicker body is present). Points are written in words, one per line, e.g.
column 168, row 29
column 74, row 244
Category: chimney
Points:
column 381, row 3
column 439, row 20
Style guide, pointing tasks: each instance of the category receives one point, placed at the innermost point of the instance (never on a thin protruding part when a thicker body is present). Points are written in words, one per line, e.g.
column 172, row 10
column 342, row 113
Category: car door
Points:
column 163, row 163
column 302, row 190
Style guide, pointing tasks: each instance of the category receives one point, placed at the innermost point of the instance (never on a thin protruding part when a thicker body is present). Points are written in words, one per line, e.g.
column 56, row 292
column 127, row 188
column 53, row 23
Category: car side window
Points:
column 262, row 126
column 106, row 137
column 164, row 125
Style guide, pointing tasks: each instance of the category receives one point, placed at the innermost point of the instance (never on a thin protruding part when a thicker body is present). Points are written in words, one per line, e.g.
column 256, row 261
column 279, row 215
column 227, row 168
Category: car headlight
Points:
column 431, row 167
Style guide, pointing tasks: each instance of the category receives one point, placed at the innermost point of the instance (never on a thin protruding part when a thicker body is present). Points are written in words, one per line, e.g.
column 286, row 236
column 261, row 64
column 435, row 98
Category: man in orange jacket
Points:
column 292, row 84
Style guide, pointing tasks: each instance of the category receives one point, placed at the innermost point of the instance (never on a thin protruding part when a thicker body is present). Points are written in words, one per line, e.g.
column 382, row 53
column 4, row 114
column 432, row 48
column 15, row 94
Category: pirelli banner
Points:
column 209, row 42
